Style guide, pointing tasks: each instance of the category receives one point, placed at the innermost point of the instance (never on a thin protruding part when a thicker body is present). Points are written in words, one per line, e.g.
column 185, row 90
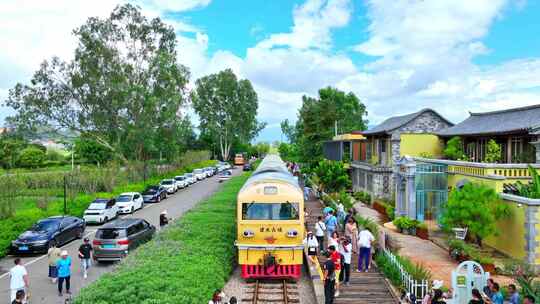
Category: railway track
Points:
column 271, row 292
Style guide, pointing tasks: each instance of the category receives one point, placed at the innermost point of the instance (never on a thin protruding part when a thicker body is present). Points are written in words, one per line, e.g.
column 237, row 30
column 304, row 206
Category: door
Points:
column 66, row 231
column 138, row 201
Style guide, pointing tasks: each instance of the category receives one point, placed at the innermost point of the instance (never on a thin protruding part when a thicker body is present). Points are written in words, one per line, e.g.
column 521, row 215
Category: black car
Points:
column 247, row 167
column 154, row 194
column 55, row 230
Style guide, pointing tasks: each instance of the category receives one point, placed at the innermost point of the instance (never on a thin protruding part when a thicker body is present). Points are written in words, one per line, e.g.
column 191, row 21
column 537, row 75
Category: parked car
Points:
column 247, row 167
column 128, row 202
column 169, row 184
column 154, row 194
column 209, row 171
column 199, row 174
column 217, row 169
column 181, row 181
column 225, row 175
column 116, row 239
column 191, row 178
column 55, row 230
column 101, row 210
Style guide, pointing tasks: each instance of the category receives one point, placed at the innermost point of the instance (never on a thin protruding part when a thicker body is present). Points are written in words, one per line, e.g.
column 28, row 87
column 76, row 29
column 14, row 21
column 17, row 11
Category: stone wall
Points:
column 427, row 122
column 377, row 181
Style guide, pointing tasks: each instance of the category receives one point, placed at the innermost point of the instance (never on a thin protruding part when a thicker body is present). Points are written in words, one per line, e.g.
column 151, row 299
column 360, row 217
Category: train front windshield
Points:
column 270, row 211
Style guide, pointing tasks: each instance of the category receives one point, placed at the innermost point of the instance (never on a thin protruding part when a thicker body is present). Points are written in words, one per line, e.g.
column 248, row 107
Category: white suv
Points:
column 199, row 174
column 128, row 202
column 181, row 181
column 101, row 210
column 169, row 184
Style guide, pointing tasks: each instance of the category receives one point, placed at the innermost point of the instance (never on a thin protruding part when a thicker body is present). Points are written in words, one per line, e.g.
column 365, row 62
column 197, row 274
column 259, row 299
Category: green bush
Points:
column 333, row 176
column 390, row 271
column 362, row 196
column 31, row 157
column 532, row 189
column 493, row 153
column 454, row 149
column 404, row 223
column 195, row 254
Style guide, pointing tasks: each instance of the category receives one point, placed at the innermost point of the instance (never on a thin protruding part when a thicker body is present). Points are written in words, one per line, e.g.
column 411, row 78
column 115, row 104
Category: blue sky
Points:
column 398, row 56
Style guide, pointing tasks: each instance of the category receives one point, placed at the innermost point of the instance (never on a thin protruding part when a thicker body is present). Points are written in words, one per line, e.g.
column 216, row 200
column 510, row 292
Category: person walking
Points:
column 334, row 240
column 18, row 279
column 336, row 258
column 85, row 254
column 351, row 232
column 64, row 272
column 320, row 228
column 19, row 297
column 496, row 297
column 346, row 251
column 514, row 294
column 329, row 278
column 365, row 240
column 312, row 245
column 331, row 223
column 53, row 255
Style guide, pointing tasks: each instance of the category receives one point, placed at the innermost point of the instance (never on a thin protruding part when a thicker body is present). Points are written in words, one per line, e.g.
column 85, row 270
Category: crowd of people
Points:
column 339, row 243
column 59, row 272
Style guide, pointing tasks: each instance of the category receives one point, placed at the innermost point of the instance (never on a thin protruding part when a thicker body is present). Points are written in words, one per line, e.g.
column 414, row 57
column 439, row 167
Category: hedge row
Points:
column 184, row 263
column 24, row 218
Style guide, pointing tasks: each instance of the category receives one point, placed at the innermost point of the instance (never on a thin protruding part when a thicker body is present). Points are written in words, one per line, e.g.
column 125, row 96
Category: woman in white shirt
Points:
column 334, row 240
column 312, row 244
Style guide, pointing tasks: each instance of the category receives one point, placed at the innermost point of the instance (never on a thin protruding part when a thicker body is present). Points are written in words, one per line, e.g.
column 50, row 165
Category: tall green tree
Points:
column 227, row 110
column 124, row 86
column 318, row 119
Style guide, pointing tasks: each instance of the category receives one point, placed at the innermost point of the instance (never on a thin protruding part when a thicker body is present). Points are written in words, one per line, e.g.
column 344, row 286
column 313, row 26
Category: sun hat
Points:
column 64, row 253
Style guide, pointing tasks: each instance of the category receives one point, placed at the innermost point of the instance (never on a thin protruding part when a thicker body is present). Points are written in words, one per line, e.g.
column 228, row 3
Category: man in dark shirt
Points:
column 329, row 280
column 85, row 254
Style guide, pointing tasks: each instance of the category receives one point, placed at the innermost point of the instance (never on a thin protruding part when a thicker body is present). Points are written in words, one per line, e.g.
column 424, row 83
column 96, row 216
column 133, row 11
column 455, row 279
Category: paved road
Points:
column 41, row 288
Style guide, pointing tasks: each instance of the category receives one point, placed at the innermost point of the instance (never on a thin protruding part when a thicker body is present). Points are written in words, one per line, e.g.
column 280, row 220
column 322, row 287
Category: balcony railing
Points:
column 502, row 171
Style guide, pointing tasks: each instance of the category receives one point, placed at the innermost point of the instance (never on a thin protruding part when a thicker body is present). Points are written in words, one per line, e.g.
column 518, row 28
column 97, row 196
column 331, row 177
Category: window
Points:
column 137, row 196
column 110, row 234
column 111, row 203
column 270, row 211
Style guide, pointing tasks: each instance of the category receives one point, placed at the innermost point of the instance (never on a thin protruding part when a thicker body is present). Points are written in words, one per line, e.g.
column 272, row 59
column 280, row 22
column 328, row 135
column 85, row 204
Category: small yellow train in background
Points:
column 270, row 222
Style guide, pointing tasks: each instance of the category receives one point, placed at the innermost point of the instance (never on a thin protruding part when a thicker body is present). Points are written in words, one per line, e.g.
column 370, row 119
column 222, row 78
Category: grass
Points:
column 27, row 211
column 184, row 263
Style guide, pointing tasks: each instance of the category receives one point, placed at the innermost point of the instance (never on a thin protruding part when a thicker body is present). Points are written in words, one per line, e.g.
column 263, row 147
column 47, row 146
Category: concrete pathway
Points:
column 424, row 252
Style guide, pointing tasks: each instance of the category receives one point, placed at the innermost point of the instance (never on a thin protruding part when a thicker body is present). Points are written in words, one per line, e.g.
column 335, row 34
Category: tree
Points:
column 9, row 151
column 454, row 149
column 123, row 88
column 332, row 176
column 288, row 152
column 476, row 207
column 31, row 157
column 493, row 153
column 318, row 118
column 91, row 151
column 227, row 110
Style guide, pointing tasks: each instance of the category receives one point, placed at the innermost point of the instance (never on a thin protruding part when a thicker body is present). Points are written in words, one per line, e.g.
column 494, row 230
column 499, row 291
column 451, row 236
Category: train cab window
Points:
column 270, row 211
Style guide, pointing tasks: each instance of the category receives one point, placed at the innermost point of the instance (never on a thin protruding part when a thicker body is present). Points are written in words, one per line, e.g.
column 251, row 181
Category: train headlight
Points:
column 292, row 233
column 249, row 233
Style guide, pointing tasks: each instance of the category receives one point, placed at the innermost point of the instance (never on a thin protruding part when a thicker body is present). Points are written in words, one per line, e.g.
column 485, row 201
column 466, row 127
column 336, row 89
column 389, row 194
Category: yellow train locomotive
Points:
column 270, row 221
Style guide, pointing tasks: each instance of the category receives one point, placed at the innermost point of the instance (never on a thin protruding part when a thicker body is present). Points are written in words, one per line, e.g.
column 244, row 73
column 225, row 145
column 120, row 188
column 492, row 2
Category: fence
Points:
column 418, row 288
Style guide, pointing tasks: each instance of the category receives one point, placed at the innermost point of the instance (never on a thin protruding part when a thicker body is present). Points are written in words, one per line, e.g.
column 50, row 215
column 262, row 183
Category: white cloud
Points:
column 313, row 22
column 176, row 5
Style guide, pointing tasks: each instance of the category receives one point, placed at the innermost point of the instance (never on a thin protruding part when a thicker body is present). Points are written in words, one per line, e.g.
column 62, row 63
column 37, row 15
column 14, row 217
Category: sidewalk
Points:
column 421, row 251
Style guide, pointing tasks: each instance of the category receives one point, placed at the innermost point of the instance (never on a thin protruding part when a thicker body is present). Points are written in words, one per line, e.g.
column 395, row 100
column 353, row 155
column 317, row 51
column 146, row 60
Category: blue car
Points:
column 55, row 230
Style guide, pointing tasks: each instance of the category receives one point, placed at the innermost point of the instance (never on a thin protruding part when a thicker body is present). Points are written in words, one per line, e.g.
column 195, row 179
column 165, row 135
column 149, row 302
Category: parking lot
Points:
column 41, row 288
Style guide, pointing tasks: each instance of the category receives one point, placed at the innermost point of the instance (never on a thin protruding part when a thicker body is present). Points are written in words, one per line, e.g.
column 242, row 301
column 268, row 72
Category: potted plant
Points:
column 422, row 231
column 457, row 249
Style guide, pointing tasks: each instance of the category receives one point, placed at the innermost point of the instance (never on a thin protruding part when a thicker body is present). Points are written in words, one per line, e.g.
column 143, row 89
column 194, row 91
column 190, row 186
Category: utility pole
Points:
column 335, row 127
column 65, row 195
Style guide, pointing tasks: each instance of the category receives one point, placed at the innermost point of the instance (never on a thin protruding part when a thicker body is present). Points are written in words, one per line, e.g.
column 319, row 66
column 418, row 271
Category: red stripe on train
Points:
column 279, row 271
